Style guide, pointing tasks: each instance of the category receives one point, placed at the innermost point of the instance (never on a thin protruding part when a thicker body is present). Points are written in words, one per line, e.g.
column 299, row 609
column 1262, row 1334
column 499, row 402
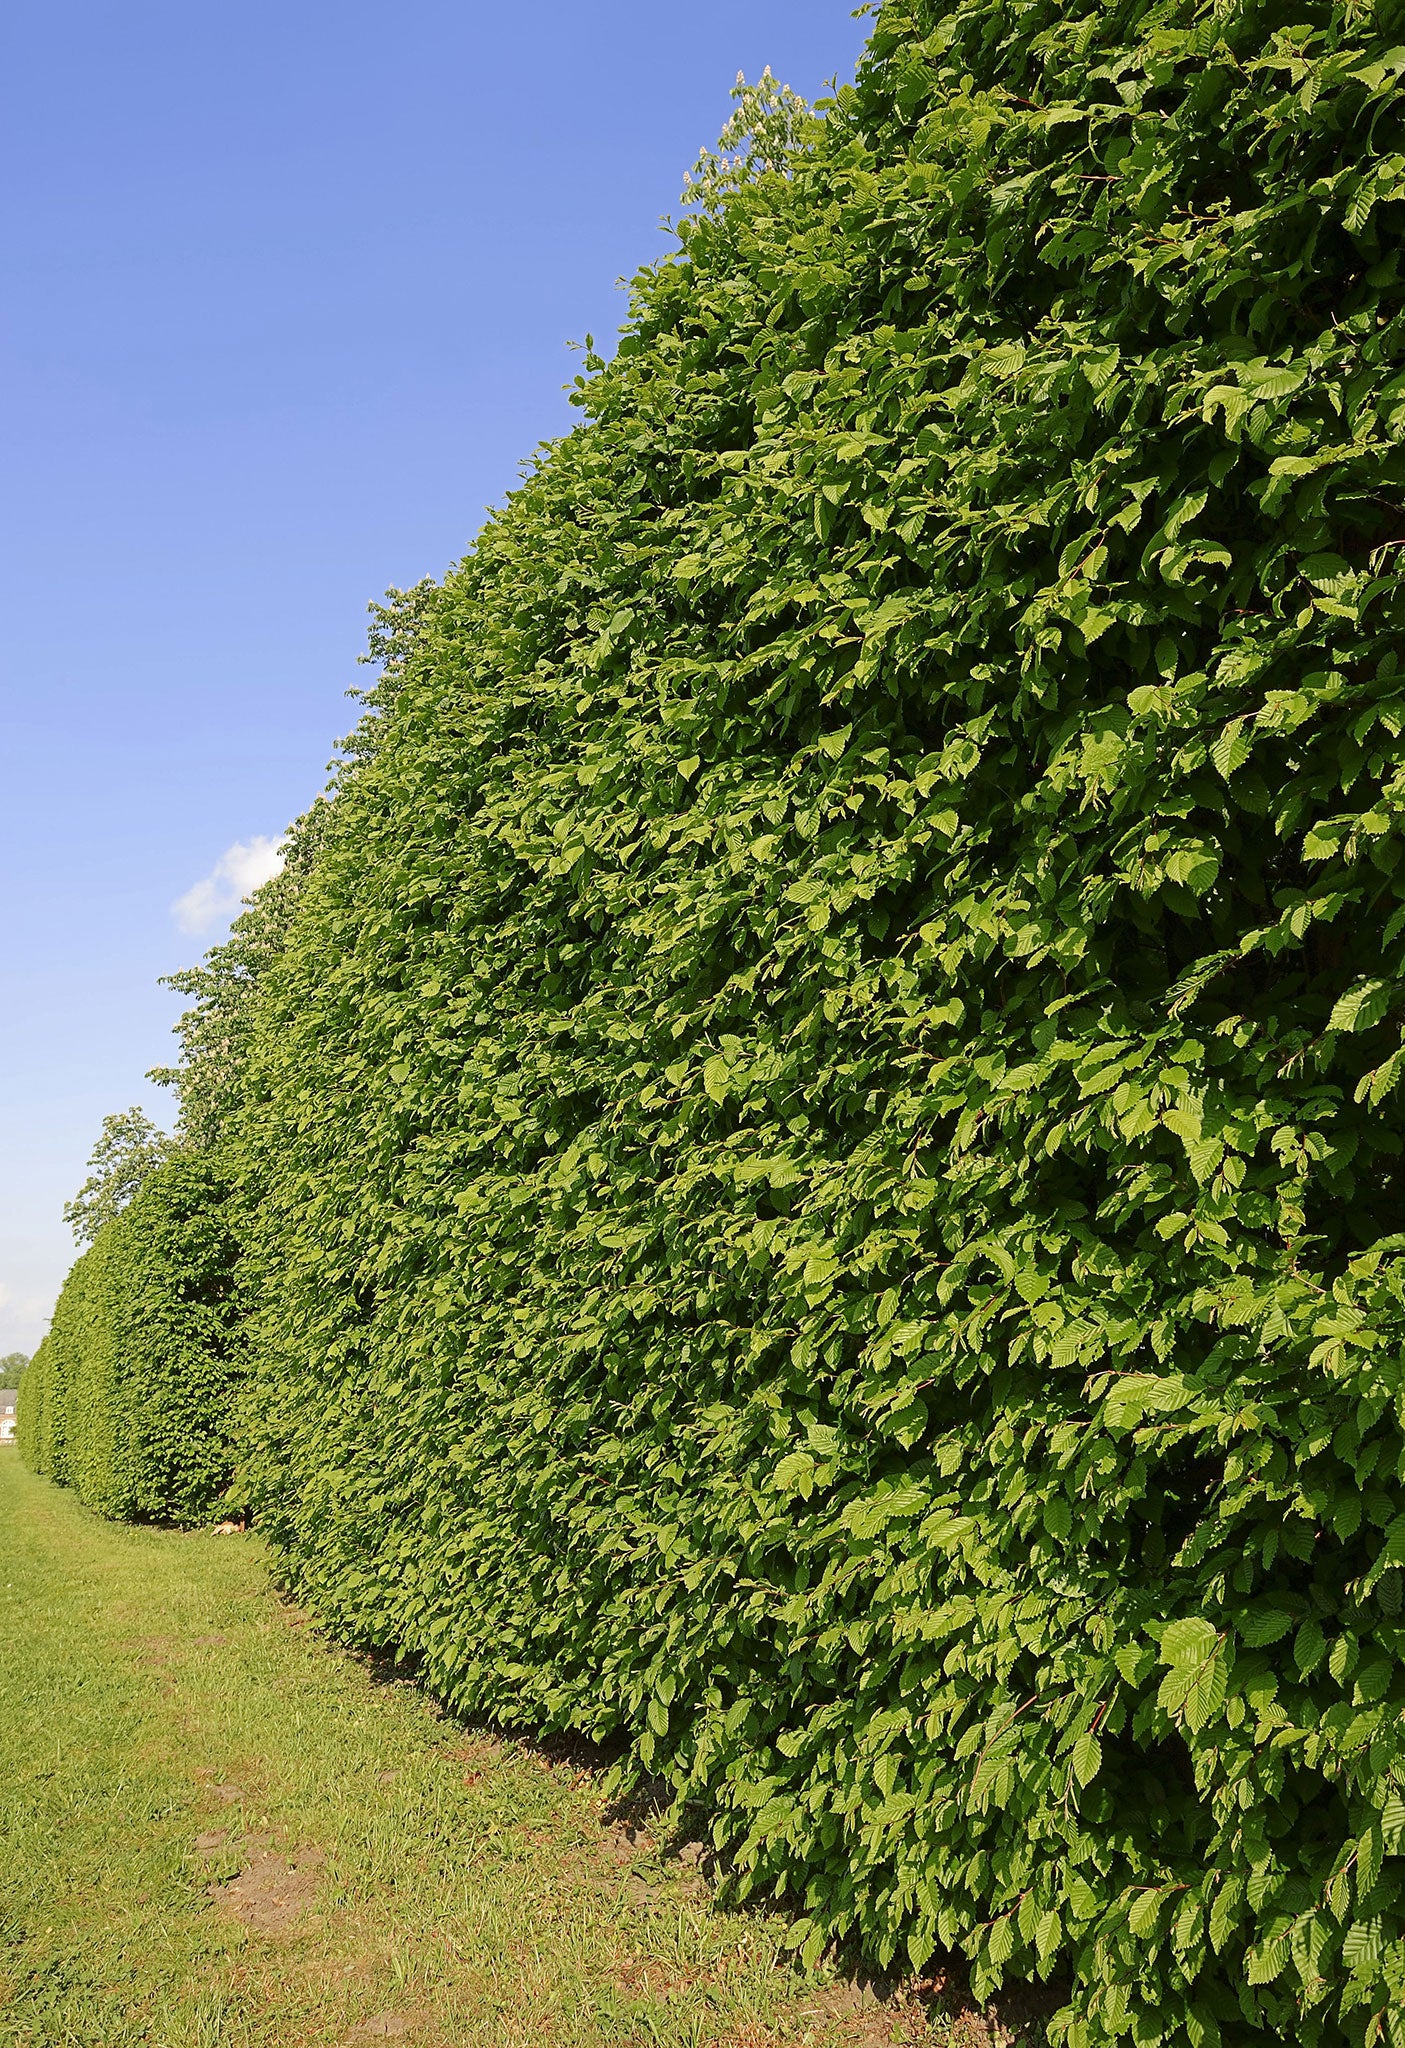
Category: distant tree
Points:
column 131, row 1146
column 12, row 1367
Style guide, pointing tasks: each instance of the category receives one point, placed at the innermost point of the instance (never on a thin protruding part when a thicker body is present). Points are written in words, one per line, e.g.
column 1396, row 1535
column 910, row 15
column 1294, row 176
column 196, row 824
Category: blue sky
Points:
column 291, row 288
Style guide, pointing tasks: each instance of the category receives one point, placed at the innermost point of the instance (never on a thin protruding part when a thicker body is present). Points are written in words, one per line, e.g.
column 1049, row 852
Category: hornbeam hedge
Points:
column 820, row 1146
column 39, row 1418
column 132, row 1397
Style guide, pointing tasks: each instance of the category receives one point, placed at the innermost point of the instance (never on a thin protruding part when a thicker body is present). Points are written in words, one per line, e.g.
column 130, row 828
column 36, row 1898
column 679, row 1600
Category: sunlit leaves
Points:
column 824, row 1155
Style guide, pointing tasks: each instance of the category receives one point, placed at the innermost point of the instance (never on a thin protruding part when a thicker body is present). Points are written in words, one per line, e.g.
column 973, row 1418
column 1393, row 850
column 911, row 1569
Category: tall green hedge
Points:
column 823, row 1150
column 39, row 1417
column 825, row 1142
column 132, row 1398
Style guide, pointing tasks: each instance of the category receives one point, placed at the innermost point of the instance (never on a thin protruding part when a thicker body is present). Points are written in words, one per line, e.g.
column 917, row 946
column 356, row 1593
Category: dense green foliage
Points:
column 819, row 1139
column 39, row 1413
column 131, row 1398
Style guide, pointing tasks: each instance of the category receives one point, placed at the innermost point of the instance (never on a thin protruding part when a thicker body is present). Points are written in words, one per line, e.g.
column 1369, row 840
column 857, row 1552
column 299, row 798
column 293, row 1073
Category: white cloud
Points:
column 240, row 870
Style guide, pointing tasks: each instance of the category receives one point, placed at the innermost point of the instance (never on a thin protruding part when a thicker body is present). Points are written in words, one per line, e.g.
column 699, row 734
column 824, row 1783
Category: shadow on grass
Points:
column 645, row 1818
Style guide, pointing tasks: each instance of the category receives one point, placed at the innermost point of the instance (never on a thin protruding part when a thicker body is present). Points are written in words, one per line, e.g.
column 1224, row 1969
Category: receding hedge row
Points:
column 829, row 1177
column 819, row 1147
column 39, row 1419
column 132, row 1397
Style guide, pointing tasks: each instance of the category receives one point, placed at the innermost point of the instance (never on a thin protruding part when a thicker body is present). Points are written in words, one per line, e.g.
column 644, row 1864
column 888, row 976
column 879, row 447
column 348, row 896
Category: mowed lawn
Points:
column 219, row 1831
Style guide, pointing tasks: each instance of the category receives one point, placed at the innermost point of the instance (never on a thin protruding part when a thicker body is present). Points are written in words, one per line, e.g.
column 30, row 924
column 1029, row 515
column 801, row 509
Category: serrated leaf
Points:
column 1309, row 1646
column 1361, row 1007
column 1087, row 1758
column 1206, row 1696
column 1370, row 1852
column 1144, row 1909
column 1362, row 1946
column 1264, row 1625
column 1267, row 1962
column 717, row 1077
column 796, row 1474
column 1188, row 1643
column 1134, row 1661
column 1232, row 749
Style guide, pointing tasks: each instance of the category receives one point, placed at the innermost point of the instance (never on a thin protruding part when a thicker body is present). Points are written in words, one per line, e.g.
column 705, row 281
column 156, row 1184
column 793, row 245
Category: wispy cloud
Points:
column 240, row 870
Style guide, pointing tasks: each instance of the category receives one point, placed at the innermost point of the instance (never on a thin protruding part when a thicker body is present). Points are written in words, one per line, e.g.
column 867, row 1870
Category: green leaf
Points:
column 796, row 1474
column 1309, row 1646
column 1134, row 1661
column 1087, row 1758
column 1370, row 1850
column 1188, row 1643
column 1264, row 1625
column 1232, row 749
column 1363, row 1946
column 1268, row 1962
column 717, row 1077
column 1145, row 1908
column 1361, row 1007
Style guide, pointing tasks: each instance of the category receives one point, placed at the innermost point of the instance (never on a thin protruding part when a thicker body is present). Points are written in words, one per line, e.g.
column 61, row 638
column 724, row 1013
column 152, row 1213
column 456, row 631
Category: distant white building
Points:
column 8, row 1398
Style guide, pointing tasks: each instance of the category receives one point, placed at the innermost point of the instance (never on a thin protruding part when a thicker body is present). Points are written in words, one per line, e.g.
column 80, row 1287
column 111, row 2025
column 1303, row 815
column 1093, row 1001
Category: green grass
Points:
column 462, row 1888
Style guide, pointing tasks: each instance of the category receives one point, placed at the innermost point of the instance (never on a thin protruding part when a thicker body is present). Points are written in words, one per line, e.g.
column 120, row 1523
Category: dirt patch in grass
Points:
column 272, row 1894
column 1015, row 2019
column 155, row 1652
